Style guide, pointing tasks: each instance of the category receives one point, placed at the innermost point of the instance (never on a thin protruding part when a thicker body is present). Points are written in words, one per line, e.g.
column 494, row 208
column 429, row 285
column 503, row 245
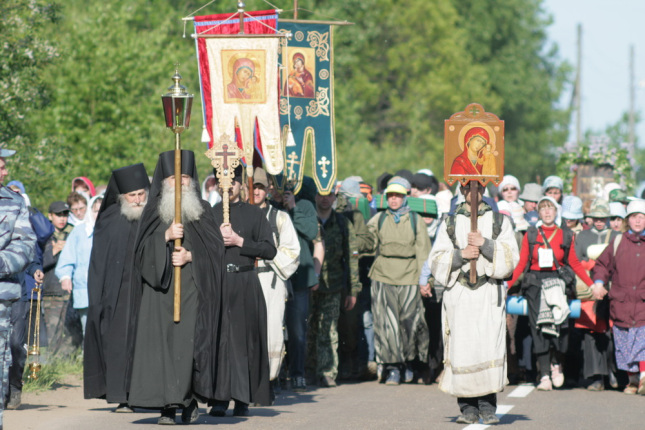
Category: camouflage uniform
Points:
column 339, row 272
column 349, row 327
column 16, row 251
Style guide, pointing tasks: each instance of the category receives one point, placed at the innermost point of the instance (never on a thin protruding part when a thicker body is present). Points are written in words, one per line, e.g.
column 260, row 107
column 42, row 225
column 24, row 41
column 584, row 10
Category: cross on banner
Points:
column 291, row 162
column 323, row 163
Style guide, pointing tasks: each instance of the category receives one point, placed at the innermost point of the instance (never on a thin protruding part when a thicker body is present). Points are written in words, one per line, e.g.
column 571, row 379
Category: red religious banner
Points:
column 473, row 147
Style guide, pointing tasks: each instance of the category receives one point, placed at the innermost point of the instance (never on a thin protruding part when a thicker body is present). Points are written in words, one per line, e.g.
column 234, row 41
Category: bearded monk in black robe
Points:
column 112, row 288
column 174, row 363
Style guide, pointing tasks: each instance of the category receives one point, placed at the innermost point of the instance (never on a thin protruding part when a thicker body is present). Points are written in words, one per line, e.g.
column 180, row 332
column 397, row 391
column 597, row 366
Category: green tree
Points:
column 24, row 52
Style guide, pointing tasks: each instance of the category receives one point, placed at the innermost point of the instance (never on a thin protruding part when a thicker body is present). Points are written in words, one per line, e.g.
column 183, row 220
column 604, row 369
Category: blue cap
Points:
column 6, row 152
column 532, row 218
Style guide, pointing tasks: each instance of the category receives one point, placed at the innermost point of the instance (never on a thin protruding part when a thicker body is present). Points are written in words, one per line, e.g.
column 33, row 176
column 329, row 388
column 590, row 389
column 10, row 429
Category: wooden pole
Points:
column 474, row 207
column 177, row 296
column 295, row 9
column 240, row 9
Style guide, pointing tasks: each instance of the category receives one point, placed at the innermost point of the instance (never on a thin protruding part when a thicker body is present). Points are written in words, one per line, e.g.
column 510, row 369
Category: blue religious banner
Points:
column 307, row 103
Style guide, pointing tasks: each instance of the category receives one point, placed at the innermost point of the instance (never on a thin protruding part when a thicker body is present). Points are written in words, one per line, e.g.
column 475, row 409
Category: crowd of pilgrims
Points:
column 313, row 290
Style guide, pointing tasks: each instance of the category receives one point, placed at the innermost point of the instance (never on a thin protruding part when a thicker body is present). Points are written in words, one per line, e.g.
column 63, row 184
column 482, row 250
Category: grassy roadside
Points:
column 53, row 372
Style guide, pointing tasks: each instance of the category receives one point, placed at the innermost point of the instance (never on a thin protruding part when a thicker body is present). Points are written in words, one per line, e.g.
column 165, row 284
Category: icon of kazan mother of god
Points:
column 478, row 155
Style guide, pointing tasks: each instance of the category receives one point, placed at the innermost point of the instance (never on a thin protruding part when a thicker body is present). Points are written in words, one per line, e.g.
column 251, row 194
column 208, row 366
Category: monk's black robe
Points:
column 176, row 362
column 244, row 340
column 109, row 331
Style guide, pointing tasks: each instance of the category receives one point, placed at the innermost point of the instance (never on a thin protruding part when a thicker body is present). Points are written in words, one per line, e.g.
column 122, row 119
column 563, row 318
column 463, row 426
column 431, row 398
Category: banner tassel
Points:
column 205, row 137
column 290, row 140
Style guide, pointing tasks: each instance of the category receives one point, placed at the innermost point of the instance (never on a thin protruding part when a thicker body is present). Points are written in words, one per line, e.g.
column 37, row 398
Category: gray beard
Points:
column 131, row 211
column 191, row 204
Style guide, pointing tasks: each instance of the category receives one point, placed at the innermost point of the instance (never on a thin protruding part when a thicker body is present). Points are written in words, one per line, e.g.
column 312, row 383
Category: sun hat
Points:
column 532, row 192
column 599, row 209
column 636, row 206
column 350, row 188
column 618, row 195
column 617, row 209
column 509, row 180
column 572, row 208
column 552, row 182
column 397, row 184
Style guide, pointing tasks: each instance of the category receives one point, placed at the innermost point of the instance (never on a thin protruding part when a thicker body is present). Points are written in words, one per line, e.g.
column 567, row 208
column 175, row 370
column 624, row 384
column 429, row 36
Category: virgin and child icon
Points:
column 478, row 154
column 245, row 76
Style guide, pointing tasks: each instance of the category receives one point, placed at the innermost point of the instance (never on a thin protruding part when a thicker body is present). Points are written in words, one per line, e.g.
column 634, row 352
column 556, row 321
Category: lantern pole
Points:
column 177, row 105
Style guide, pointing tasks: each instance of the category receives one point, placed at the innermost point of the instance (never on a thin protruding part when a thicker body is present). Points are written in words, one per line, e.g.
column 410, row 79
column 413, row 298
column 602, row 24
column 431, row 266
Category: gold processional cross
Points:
column 225, row 157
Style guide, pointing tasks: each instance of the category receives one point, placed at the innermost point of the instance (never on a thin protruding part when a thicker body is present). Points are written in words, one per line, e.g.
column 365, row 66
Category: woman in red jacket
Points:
column 621, row 263
column 544, row 290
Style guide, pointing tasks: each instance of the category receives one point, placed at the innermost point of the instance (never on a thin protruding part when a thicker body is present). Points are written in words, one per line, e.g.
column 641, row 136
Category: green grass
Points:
column 53, row 373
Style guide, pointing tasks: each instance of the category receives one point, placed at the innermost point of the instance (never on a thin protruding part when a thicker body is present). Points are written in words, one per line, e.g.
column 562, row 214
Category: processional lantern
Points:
column 177, row 104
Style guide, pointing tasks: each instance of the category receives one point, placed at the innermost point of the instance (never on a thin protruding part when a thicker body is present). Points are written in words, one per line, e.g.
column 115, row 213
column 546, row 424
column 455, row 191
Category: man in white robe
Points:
column 274, row 274
column 474, row 315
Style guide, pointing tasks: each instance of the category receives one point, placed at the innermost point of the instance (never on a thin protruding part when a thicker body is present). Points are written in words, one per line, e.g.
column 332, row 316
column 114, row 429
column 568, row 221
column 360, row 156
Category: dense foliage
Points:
column 401, row 69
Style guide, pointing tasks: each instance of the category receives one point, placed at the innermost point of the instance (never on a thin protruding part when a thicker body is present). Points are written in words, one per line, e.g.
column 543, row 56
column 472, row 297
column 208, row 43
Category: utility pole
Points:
column 578, row 89
column 632, row 95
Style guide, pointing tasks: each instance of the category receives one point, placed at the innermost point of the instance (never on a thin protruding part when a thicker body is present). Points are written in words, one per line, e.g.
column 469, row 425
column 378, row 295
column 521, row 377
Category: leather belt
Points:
column 234, row 268
column 263, row 269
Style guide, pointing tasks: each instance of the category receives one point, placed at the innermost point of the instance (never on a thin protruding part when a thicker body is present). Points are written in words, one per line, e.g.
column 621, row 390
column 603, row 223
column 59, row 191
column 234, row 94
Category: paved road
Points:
column 367, row 405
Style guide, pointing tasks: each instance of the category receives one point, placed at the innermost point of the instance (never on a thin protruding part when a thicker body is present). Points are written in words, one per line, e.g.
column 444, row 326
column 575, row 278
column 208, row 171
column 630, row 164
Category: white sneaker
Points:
column 545, row 384
column 556, row 375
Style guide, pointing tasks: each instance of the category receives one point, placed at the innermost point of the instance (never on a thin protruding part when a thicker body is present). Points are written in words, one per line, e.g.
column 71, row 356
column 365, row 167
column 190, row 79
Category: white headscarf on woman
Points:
column 90, row 217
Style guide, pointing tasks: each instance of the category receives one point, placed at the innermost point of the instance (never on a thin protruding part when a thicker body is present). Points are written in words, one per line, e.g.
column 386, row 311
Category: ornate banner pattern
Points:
column 307, row 102
column 238, row 79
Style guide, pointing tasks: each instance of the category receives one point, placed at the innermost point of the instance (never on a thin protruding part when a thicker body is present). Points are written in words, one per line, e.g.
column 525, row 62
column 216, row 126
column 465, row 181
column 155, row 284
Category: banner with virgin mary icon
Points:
column 473, row 147
column 239, row 81
column 307, row 103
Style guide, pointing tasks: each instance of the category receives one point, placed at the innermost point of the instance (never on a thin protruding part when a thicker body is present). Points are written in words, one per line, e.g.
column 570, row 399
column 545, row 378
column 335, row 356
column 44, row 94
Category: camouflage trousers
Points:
column 322, row 335
column 5, row 351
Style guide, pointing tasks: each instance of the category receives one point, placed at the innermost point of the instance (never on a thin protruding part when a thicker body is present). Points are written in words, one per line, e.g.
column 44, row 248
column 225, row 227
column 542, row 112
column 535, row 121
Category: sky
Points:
column 609, row 28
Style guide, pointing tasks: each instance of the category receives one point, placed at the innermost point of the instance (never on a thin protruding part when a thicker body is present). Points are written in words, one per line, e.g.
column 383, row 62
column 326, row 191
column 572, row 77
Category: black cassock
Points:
column 176, row 362
column 110, row 327
column 244, row 336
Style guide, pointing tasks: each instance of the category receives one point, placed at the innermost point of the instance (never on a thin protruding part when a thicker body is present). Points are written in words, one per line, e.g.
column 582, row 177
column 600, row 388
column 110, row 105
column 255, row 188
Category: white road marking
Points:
column 522, row 390
column 500, row 412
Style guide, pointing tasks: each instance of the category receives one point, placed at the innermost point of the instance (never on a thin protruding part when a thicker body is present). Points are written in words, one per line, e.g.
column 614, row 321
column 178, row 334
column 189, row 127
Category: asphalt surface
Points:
column 366, row 405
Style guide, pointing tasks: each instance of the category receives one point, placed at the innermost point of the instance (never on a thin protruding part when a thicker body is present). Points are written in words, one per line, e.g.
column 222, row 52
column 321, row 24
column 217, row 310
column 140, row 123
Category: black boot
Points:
column 241, row 409
column 190, row 414
column 167, row 416
column 218, row 408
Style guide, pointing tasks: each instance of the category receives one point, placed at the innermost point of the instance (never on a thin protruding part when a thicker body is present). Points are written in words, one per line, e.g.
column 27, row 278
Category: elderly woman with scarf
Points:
column 74, row 262
column 546, row 249
column 402, row 245
column 621, row 264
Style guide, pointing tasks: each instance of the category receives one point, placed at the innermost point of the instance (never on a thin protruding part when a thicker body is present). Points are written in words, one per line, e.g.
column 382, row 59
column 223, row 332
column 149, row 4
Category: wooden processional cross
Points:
column 225, row 157
column 473, row 154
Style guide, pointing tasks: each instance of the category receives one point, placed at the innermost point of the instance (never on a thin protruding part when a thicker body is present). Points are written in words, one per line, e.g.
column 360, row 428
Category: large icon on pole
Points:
column 474, row 147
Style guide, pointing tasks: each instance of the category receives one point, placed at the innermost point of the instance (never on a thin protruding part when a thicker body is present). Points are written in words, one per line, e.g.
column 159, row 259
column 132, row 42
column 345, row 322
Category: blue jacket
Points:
column 17, row 243
column 43, row 228
column 74, row 263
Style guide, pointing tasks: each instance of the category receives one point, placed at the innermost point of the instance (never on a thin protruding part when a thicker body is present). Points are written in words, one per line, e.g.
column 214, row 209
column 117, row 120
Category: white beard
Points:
column 191, row 204
column 131, row 211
